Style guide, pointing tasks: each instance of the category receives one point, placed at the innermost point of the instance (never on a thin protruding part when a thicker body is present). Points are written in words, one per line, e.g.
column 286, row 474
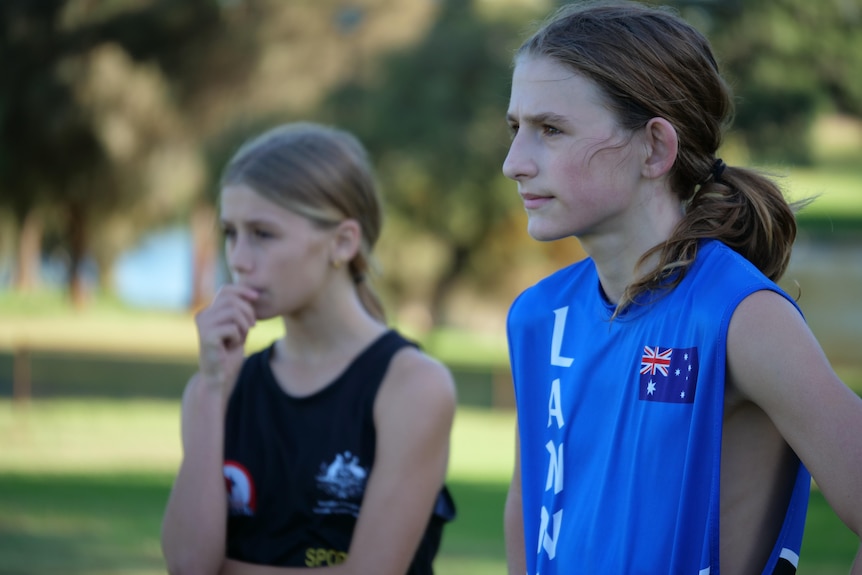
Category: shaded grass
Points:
column 828, row 546
column 68, row 523
column 110, row 523
column 92, row 523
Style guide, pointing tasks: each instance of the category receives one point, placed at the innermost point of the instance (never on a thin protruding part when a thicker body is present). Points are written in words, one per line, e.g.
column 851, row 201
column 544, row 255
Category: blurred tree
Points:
column 98, row 102
column 432, row 116
column 788, row 60
column 108, row 109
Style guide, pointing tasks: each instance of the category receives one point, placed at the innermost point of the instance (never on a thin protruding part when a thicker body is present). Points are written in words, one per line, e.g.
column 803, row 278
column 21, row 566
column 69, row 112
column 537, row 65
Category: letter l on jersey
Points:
column 557, row 338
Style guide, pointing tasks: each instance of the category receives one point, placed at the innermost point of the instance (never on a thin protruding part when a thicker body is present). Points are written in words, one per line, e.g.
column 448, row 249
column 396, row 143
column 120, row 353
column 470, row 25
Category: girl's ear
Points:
column 662, row 145
column 346, row 241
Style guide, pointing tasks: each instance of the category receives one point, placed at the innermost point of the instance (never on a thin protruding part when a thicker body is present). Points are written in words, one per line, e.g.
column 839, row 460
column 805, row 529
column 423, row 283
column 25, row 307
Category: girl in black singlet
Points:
column 329, row 448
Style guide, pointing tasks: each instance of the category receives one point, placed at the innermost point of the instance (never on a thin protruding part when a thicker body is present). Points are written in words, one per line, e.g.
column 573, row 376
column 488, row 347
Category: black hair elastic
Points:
column 714, row 174
column 717, row 171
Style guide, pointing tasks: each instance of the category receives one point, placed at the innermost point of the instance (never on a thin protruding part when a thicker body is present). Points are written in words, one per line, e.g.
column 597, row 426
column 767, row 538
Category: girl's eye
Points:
column 262, row 234
column 550, row 130
column 228, row 233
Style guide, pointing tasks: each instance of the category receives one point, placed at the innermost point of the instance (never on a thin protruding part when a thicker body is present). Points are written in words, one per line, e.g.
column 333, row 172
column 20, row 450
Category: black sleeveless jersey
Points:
column 296, row 467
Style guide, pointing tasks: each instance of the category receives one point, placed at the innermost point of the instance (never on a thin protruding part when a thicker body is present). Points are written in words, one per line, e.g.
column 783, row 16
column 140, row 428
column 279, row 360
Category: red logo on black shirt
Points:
column 241, row 494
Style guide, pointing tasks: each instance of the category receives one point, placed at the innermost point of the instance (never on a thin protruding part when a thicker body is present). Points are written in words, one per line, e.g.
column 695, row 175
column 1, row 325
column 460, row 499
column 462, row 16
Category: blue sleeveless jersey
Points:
column 620, row 423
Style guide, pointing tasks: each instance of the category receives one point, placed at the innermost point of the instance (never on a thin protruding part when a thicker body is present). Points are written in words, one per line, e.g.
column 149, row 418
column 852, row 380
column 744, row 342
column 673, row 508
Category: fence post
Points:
column 502, row 391
column 22, row 388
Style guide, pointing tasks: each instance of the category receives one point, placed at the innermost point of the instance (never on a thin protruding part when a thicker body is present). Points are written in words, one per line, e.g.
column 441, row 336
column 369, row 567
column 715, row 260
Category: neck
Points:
column 617, row 253
column 340, row 325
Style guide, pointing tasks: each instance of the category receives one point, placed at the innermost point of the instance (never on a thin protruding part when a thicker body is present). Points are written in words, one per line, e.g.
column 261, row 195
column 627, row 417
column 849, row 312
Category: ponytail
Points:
column 360, row 268
column 744, row 209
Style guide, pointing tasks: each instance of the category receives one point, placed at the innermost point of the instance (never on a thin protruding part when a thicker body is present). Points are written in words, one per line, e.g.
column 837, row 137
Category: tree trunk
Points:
column 204, row 250
column 29, row 251
column 77, row 230
column 460, row 259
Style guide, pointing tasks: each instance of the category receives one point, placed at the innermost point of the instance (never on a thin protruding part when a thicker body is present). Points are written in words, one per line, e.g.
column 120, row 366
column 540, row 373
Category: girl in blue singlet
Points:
column 671, row 399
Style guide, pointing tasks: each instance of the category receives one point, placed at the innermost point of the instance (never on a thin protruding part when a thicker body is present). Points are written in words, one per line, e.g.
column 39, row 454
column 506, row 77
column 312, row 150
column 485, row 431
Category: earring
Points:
column 335, row 264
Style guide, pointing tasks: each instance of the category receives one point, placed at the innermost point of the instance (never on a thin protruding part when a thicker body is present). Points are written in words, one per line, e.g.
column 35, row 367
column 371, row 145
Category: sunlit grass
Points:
column 111, row 436
column 89, row 436
column 43, row 320
column 483, row 445
column 838, row 191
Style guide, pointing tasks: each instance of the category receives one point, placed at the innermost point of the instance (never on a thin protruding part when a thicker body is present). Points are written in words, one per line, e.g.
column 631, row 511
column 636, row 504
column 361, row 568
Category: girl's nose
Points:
column 239, row 259
column 518, row 165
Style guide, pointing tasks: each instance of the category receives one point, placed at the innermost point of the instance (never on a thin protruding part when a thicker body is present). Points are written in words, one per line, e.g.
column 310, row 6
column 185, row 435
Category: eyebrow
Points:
column 538, row 119
column 254, row 222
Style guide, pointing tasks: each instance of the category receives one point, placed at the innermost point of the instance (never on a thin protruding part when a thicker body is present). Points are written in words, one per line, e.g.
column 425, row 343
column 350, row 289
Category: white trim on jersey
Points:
column 791, row 556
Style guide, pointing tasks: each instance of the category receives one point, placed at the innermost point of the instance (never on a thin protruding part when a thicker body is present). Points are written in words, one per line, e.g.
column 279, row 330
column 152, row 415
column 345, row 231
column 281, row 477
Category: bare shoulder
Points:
column 415, row 379
column 775, row 362
column 769, row 342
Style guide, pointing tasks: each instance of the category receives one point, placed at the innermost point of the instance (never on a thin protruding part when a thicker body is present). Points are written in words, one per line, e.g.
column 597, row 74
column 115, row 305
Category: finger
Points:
column 233, row 337
column 221, row 323
column 227, row 301
column 241, row 296
column 238, row 290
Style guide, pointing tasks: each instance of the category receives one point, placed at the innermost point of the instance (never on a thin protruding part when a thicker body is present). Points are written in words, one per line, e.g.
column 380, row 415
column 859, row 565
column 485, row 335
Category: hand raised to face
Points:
column 222, row 330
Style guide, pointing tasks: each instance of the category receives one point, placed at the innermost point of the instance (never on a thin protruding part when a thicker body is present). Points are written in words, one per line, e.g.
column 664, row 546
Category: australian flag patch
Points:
column 668, row 375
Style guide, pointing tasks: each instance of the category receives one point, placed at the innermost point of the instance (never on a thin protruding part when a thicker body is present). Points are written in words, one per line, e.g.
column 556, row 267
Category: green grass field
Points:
column 83, row 484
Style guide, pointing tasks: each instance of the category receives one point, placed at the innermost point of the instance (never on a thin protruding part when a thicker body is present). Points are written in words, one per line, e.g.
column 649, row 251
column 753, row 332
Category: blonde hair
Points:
column 648, row 62
column 321, row 173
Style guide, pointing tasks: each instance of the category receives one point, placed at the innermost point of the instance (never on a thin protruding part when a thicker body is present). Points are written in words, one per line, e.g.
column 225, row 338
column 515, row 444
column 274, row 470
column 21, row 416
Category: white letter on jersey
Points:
column 555, row 408
column 555, row 468
column 545, row 540
column 557, row 339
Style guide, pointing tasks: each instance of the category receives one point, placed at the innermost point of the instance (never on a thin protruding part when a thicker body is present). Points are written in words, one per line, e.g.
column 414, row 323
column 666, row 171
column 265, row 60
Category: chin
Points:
column 263, row 315
column 263, row 312
column 545, row 235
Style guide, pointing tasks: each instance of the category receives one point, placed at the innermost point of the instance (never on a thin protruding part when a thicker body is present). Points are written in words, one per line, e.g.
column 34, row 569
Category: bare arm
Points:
column 514, row 518
column 775, row 361
column 195, row 520
column 413, row 414
column 193, row 528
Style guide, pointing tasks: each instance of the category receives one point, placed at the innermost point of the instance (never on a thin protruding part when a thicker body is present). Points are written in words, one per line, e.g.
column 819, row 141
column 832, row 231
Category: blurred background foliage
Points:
column 117, row 115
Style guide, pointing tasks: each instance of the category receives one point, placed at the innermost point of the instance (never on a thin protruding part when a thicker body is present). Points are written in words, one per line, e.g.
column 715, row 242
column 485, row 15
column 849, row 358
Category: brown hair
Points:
column 321, row 173
column 649, row 62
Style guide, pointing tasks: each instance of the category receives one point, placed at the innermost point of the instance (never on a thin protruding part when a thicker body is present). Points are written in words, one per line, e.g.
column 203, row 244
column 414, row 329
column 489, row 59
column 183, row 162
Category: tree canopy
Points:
column 787, row 60
column 83, row 127
column 116, row 116
column 433, row 116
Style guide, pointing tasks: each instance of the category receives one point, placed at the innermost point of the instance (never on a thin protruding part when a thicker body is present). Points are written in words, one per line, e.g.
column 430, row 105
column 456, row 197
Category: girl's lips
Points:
column 257, row 291
column 532, row 201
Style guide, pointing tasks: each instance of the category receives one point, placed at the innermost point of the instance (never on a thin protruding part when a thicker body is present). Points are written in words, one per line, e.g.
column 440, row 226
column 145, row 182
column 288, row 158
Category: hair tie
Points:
column 716, row 172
